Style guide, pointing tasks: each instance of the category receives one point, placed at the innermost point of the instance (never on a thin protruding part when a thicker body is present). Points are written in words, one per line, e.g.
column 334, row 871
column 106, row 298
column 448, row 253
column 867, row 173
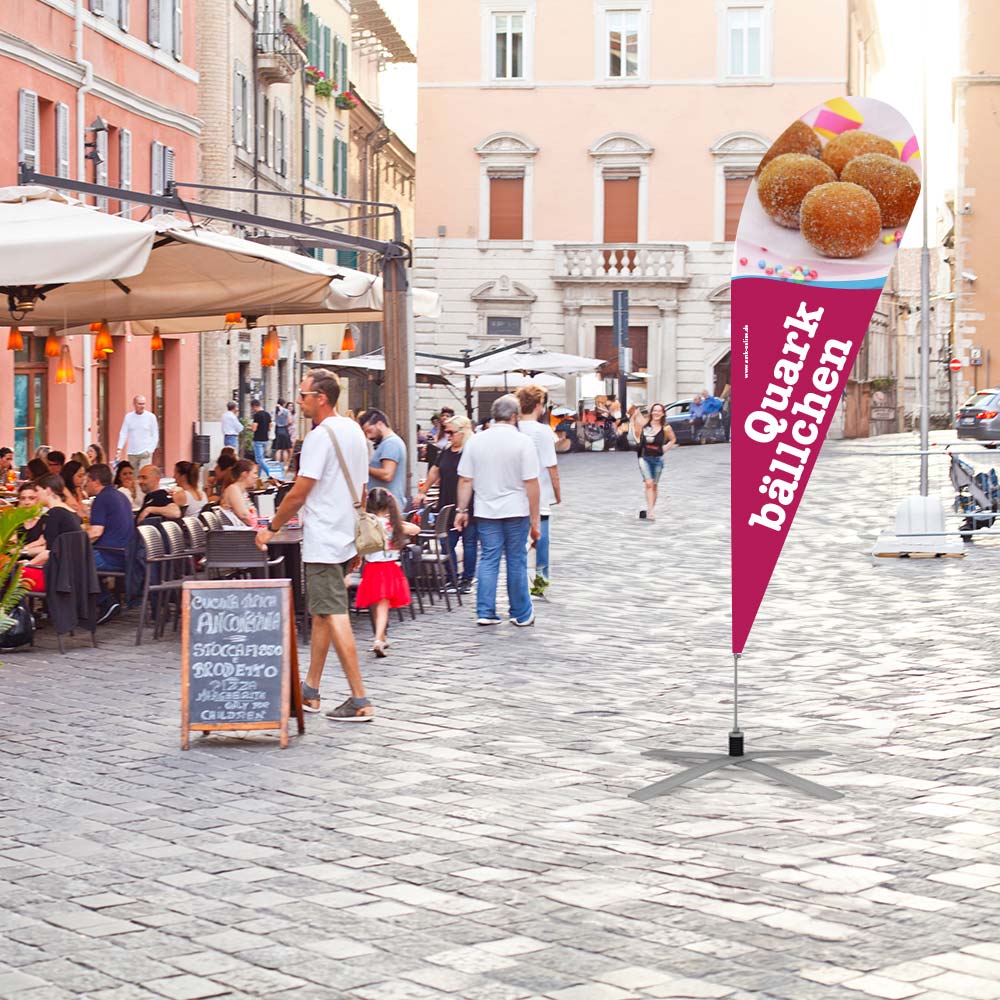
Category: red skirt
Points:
column 382, row 581
column 33, row 578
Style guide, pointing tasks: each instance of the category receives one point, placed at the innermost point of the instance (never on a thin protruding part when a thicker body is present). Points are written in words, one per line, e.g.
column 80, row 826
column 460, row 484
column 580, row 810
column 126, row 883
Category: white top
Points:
column 140, row 431
column 194, row 505
column 388, row 554
column 135, row 501
column 544, row 439
column 231, row 424
column 328, row 516
column 498, row 461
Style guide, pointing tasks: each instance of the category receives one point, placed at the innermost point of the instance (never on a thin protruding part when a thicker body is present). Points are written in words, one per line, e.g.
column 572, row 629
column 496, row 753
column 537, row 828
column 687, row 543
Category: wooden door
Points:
column 621, row 220
column 604, row 348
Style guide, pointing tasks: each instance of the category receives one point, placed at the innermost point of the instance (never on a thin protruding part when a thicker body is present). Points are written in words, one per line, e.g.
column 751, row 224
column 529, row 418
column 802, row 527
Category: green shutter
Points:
column 326, row 54
column 344, row 82
column 336, row 166
column 305, row 148
column 320, row 155
column 343, row 170
column 347, row 258
column 335, row 79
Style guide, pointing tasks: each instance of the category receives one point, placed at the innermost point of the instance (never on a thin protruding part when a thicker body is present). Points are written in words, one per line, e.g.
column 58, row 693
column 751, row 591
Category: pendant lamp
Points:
column 52, row 344
column 15, row 342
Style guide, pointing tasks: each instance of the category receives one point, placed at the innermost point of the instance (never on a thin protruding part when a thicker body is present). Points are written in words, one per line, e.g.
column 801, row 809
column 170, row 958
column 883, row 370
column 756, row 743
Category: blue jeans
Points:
column 542, row 551
column 107, row 562
column 259, row 456
column 231, row 440
column 504, row 536
column 651, row 468
column 470, row 545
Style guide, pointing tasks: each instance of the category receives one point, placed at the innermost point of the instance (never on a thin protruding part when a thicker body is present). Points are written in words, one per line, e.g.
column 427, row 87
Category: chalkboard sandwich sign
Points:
column 239, row 658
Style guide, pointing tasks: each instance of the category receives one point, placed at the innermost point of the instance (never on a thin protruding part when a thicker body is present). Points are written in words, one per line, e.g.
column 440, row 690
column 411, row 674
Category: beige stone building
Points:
column 976, row 96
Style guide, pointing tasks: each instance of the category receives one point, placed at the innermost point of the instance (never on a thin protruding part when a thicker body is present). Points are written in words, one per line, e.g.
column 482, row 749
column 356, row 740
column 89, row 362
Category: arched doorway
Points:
column 721, row 373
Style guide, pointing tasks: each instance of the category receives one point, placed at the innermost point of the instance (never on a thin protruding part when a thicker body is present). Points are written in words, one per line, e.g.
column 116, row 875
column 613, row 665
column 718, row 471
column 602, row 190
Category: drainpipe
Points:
column 82, row 90
column 256, row 107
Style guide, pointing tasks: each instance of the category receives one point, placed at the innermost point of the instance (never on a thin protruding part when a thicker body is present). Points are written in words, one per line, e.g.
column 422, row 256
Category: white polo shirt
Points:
column 328, row 516
column 544, row 439
column 498, row 461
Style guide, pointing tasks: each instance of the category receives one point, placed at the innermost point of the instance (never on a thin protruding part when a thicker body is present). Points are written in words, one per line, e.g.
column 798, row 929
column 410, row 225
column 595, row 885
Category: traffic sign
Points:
column 955, row 365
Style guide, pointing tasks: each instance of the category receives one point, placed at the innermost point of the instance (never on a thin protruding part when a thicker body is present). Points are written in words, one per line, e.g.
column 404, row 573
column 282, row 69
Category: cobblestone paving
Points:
column 477, row 841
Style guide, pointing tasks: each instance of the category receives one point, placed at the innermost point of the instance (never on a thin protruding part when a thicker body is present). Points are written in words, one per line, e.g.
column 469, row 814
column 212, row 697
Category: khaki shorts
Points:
column 326, row 588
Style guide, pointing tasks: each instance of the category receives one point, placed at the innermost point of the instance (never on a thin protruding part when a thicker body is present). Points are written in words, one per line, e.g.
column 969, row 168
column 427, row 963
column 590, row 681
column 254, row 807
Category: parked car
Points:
column 979, row 416
column 680, row 419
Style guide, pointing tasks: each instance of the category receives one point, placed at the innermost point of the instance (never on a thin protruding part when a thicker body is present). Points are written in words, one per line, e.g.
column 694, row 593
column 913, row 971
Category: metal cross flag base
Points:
column 705, row 763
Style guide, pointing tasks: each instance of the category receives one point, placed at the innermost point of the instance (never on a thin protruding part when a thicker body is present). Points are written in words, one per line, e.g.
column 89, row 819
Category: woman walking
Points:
column 655, row 437
column 282, row 435
column 383, row 585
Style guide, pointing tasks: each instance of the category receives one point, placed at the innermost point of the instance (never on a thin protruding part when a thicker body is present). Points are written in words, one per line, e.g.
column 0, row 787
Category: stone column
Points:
column 573, row 345
column 663, row 387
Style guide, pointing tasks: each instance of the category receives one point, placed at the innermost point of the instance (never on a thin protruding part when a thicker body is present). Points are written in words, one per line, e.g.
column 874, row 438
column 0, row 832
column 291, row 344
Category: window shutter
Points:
column 279, row 141
column 306, row 143
column 506, row 208
column 27, row 129
column 124, row 12
column 343, row 170
column 320, row 156
column 97, row 7
column 261, row 128
column 155, row 25
column 125, row 167
column 248, row 114
column 178, row 33
column 62, row 140
column 168, row 167
column 156, row 169
column 326, row 54
column 344, row 68
column 335, row 182
column 238, row 108
column 335, row 78
column 101, row 169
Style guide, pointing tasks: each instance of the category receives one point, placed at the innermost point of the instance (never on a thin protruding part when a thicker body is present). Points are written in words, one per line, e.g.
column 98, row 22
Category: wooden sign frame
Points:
column 291, row 689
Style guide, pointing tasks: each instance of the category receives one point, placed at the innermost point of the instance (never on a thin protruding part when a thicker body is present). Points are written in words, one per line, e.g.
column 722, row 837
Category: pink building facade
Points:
column 568, row 149
column 65, row 64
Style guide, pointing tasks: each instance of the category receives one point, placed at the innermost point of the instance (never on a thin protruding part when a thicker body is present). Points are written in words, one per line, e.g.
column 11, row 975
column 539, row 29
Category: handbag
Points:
column 22, row 631
column 369, row 535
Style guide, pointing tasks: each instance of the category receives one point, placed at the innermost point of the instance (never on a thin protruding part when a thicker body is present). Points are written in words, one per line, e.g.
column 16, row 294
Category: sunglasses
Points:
column 311, row 392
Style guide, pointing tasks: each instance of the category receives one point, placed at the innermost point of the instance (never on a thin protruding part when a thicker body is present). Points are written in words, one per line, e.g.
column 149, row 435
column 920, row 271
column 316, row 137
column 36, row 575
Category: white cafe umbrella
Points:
column 515, row 380
column 190, row 279
column 526, row 361
column 374, row 364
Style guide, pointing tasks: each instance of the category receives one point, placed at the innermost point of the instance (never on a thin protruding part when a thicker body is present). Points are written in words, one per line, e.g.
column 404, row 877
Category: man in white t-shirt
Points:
column 502, row 467
column 532, row 401
column 140, row 434
column 328, row 551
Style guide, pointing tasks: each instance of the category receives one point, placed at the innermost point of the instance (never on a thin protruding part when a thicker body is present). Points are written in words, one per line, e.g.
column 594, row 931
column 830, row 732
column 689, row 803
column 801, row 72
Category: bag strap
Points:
column 343, row 466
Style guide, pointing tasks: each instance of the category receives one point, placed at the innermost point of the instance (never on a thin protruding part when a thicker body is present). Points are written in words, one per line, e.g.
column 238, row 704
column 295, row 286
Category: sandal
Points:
column 352, row 710
column 310, row 698
column 378, row 647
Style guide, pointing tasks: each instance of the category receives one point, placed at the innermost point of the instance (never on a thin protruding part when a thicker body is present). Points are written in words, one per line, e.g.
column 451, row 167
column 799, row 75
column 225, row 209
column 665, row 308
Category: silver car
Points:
column 979, row 416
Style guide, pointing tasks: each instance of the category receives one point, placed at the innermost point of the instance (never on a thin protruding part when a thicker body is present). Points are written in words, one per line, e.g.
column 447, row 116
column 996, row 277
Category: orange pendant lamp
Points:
column 270, row 348
column 15, row 342
column 156, row 342
column 65, row 374
column 52, row 344
column 347, row 344
column 105, row 344
column 233, row 319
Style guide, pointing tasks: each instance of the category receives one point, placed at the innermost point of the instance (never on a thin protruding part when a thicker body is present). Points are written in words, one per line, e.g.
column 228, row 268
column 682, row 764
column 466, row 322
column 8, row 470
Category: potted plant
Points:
column 12, row 590
column 323, row 88
column 346, row 101
column 296, row 33
column 314, row 74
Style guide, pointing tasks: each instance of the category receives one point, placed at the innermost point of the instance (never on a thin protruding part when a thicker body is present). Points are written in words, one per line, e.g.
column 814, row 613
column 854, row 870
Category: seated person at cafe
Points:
column 6, row 464
column 74, row 475
column 112, row 528
column 37, row 470
column 236, row 502
column 219, row 477
column 55, row 461
column 58, row 520
column 126, row 485
column 27, row 496
column 156, row 502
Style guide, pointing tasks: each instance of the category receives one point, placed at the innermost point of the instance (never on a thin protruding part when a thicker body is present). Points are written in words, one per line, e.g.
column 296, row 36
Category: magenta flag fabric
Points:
column 820, row 229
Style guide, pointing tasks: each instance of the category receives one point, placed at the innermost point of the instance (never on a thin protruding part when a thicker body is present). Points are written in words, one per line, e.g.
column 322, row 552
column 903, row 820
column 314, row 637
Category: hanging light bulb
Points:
column 15, row 342
column 156, row 343
column 104, row 345
column 52, row 344
column 347, row 344
column 269, row 348
column 95, row 327
column 65, row 374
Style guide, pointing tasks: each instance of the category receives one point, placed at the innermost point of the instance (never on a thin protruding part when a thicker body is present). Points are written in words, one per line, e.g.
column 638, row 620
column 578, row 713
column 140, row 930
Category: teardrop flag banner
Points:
column 819, row 231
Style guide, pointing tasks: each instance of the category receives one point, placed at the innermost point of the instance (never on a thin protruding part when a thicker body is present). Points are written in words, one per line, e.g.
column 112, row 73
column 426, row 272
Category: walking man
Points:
column 532, row 401
column 323, row 495
column 232, row 426
column 140, row 434
column 261, row 434
column 388, row 463
column 502, row 467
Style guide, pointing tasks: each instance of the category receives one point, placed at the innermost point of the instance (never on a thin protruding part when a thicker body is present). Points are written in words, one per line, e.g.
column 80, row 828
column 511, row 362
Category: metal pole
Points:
column 398, row 354
column 925, row 300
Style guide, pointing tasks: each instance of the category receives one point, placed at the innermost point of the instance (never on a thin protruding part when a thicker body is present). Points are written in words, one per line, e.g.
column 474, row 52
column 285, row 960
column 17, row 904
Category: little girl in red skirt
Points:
column 383, row 585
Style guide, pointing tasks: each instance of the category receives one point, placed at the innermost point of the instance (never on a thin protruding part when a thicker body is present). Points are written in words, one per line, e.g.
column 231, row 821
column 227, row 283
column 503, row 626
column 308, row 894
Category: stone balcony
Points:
column 639, row 263
column 278, row 57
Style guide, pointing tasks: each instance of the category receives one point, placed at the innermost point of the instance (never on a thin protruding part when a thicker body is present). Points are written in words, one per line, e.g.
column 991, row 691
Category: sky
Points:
column 915, row 34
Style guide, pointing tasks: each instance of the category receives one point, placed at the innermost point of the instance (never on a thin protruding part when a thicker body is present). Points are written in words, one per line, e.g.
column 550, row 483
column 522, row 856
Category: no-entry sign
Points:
column 955, row 365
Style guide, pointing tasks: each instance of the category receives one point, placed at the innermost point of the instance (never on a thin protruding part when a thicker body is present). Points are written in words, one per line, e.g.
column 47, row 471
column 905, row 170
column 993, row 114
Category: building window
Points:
column 622, row 36
column 101, row 166
column 161, row 168
column 242, row 130
column 125, row 167
column 280, row 127
column 263, row 129
column 503, row 326
column 745, row 41
column 27, row 129
column 736, row 156
column 339, row 168
column 508, row 38
column 306, row 144
column 737, row 185
column 320, row 155
column 115, row 11
column 506, row 206
column 62, row 140
column 30, row 380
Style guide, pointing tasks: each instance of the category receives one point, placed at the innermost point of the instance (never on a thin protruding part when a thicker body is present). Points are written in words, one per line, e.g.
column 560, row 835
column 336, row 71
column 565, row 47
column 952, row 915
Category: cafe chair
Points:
column 71, row 586
column 234, row 555
column 163, row 576
column 437, row 555
column 211, row 518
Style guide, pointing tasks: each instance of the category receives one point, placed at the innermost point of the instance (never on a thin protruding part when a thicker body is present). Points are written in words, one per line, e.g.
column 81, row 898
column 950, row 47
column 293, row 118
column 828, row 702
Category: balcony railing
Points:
column 278, row 56
column 639, row 262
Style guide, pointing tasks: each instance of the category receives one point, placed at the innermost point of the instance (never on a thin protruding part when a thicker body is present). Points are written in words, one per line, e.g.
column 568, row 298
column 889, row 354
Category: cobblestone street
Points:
column 477, row 840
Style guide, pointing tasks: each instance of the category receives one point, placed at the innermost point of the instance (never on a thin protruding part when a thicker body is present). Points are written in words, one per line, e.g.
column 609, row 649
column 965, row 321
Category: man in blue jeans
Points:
column 261, row 434
column 112, row 527
column 502, row 466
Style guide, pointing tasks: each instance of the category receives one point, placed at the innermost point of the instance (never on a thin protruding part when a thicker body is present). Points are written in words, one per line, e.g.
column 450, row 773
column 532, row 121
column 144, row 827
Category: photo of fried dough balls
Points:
column 841, row 219
column 785, row 181
column 895, row 186
column 841, row 149
column 797, row 138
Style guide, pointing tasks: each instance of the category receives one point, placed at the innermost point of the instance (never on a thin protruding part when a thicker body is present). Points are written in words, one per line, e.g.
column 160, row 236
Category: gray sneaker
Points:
column 352, row 710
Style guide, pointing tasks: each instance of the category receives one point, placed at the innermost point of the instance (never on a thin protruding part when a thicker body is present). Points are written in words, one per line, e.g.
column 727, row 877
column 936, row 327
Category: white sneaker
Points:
column 530, row 621
column 489, row 621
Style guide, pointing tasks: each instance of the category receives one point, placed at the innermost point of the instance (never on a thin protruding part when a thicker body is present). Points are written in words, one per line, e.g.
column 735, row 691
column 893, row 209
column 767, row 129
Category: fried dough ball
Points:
column 843, row 148
column 785, row 181
column 895, row 186
column 797, row 138
column 841, row 219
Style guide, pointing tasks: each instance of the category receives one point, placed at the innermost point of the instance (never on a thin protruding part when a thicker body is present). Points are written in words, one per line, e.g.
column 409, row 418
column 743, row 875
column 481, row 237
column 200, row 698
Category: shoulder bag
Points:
column 369, row 535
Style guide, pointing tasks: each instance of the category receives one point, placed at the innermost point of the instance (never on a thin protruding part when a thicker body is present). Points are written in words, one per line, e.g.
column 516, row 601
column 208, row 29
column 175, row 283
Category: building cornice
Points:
column 826, row 81
column 69, row 72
